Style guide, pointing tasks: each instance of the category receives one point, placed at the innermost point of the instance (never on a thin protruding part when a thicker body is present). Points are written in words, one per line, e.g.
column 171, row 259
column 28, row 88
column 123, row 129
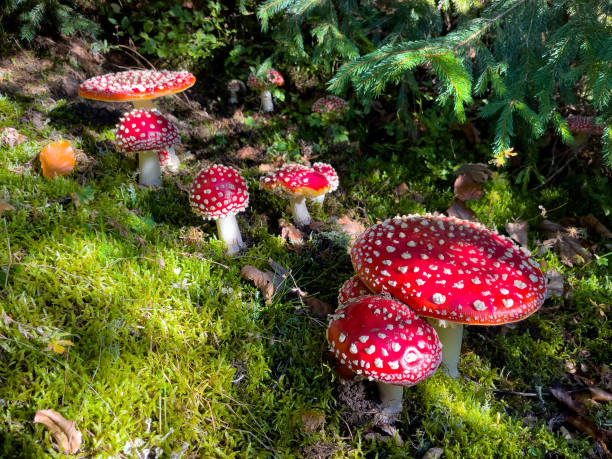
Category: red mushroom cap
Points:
column 330, row 173
column 449, row 269
column 384, row 340
column 135, row 85
column 329, row 104
column 577, row 124
column 272, row 78
column 144, row 130
column 297, row 180
column 352, row 288
column 218, row 191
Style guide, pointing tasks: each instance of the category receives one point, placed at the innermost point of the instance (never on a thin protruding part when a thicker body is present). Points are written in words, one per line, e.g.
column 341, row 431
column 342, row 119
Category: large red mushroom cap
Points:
column 352, row 288
column 330, row 104
column 296, row 180
column 268, row 81
column 383, row 340
column 449, row 269
column 579, row 124
column 135, row 85
column 145, row 130
column 218, row 191
column 330, row 173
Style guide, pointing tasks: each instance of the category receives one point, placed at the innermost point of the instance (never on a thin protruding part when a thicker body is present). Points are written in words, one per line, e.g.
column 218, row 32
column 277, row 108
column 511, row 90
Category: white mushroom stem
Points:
column 301, row 217
column 266, row 101
column 233, row 98
column 391, row 397
column 229, row 232
column 451, row 335
column 173, row 161
column 144, row 104
column 320, row 199
column 150, row 172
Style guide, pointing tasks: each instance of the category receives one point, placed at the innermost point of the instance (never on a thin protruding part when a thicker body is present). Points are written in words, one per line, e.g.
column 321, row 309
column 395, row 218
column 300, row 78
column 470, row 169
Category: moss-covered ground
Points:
column 173, row 352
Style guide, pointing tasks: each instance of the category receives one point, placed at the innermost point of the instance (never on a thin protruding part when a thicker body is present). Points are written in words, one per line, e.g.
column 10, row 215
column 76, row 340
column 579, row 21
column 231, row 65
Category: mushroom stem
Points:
column 391, row 398
column 320, row 199
column 301, row 217
column 173, row 161
column 144, row 104
column 450, row 335
column 233, row 98
column 150, row 172
column 266, row 101
column 229, row 232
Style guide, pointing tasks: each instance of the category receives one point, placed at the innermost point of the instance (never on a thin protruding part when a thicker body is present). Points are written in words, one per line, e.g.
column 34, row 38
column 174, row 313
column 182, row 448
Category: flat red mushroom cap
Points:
column 449, row 269
column 295, row 179
column 329, row 104
column 218, row 191
column 330, row 173
column 144, row 130
column 352, row 288
column 271, row 79
column 135, row 85
column 383, row 340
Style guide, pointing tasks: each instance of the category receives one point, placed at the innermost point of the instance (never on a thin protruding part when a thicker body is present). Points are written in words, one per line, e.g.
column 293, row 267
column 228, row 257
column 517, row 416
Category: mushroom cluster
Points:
column 449, row 270
column 264, row 84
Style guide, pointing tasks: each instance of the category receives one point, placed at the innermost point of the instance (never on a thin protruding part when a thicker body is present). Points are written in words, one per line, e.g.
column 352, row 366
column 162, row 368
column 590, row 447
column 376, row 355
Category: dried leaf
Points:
column 290, row 233
column 5, row 206
column 569, row 250
column 11, row 138
column 518, row 231
column 592, row 225
column 589, row 428
column 59, row 346
column 458, row 209
column 318, row 307
column 313, row 420
column 263, row 280
column 248, row 152
column 554, row 283
column 63, row 431
column 565, row 398
column 466, row 189
column 600, row 395
column 350, row 227
column 477, row 172
column 400, row 189
column 433, row 453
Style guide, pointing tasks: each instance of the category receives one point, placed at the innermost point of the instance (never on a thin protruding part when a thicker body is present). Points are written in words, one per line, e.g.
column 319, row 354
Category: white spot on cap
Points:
column 509, row 302
column 342, row 337
column 438, row 298
column 370, row 350
column 479, row 305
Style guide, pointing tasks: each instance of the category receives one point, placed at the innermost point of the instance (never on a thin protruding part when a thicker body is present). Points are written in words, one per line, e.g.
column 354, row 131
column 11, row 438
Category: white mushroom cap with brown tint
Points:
column 449, row 269
column 383, row 340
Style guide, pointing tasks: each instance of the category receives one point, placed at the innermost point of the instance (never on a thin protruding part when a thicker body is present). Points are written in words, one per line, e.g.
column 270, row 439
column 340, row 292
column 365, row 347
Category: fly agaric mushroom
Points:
column 332, row 177
column 452, row 271
column 219, row 193
column 264, row 85
column 235, row 87
column 136, row 86
column 298, row 182
column 57, row 158
column 383, row 340
column 147, row 132
column 584, row 124
column 168, row 160
column 352, row 288
column 330, row 105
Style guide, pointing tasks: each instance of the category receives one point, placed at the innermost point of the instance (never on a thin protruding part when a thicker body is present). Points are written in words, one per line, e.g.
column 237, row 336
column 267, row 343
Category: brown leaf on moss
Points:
column 350, row 227
column 313, row 420
column 518, row 231
column 4, row 207
column 400, row 189
column 318, row 307
column 589, row 428
column 477, row 172
column 263, row 280
column 11, row 138
column 248, row 152
column 63, row 431
column 569, row 250
column 466, row 189
column 591, row 223
column 290, row 233
column 565, row 398
column 458, row 209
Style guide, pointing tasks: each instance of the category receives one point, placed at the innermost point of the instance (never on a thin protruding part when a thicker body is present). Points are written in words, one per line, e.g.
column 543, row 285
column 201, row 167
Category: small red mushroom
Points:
column 450, row 270
column 383, row 340
column 147, row 132
column 584, row 124
column 352, row 288
column 136, row 86
column 297, row 182
column 264, row 84
column 330, row 105
column 219, row 193
column 332, row 177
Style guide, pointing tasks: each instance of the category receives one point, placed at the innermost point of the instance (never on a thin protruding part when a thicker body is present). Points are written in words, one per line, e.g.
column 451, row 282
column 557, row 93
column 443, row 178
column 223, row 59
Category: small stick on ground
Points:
column 10, row 255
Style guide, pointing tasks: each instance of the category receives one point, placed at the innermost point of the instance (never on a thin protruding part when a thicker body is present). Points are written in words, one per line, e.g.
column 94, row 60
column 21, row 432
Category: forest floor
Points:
column 120, row 311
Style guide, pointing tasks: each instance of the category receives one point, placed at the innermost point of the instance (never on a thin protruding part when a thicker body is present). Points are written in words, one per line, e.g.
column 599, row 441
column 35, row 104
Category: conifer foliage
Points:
column 520, row 63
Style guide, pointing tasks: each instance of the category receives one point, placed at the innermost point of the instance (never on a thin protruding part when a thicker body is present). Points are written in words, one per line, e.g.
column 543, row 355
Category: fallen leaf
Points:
column 59, row 346
column 466, row 189
column 263, row 280
column 290, row 233
column 63, row 431
column 433, row 453
column 400, row 189
column 11, row 138
column 318, row 307
column 248, row 152
column 565, row 398
column 458, row 209
column 518, row 231
column 350, row 227
column 5, row 206
column 554, row 283
column 313, row 420
column 591, row 223
column 600, row 395
column 589, row 428
column 265, row 168
column 569, row 250
column 477, row 172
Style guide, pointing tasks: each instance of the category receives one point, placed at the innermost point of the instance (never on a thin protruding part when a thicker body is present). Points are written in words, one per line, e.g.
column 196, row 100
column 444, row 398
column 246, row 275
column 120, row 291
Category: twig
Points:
column 140, row 56
column 512, row 392
column 10, row 255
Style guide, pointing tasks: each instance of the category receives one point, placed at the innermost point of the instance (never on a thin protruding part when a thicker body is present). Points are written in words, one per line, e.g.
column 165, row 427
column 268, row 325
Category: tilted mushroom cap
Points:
column 144, row 130
column 218, row 191
column 135, row 85
column 384, row 340
column 352, row 288
column 449, row 269
column 329, row 104
column 330, row 173
column 271, row 79
column 297, row 180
